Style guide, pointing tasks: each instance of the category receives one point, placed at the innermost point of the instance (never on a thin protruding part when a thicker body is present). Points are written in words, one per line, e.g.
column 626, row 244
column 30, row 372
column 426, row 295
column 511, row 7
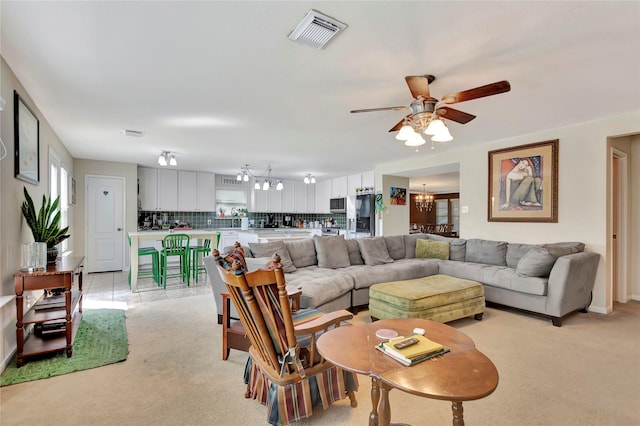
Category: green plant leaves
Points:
column 45, row 225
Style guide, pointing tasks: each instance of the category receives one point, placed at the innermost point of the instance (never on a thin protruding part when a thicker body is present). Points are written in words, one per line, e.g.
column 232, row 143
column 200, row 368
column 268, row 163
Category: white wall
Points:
column 13, row 228
column 582, row 183
column 395, row 219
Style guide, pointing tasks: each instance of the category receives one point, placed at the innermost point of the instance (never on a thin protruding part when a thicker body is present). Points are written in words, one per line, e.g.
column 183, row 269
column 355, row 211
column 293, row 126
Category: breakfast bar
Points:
column 138, row 236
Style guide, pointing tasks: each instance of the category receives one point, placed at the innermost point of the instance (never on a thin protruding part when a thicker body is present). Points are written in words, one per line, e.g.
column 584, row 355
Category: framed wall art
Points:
column 523, row 183
column 398, row 196
column 27, row 142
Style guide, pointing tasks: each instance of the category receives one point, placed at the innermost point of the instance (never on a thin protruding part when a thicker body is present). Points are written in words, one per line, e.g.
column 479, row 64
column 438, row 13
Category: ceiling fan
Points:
column 427, row 112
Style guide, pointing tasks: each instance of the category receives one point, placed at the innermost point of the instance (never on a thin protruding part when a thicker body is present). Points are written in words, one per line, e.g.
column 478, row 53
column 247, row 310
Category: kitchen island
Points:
column 265, row 235
column 139, row 236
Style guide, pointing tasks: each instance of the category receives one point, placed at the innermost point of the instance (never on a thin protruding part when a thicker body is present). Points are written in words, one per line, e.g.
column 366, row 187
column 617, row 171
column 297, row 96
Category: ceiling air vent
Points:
column 316, row 30
column 228, row 181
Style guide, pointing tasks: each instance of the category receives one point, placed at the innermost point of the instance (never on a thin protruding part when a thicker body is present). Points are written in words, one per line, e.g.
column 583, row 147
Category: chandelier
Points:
column 167, row 158
column 424, row 200
column 424, row 118
column 267, row 181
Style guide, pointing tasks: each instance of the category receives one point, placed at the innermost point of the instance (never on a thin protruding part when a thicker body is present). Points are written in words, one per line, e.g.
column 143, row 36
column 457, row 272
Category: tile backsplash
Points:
column 200, row 220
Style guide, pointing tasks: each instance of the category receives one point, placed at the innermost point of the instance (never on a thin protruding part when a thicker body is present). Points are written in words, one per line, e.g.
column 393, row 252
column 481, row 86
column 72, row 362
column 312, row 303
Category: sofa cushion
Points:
column 487, row 252
column 355, row 258
column 429, row 249
column 374, row 251
column 331, row 251
column 539, row 261
column 403, row 269
column 302, row 252
column 457, row 246
column 515, row 251
column 319, row 285
column 395, row 246
column 269, row 249
column 410, row 244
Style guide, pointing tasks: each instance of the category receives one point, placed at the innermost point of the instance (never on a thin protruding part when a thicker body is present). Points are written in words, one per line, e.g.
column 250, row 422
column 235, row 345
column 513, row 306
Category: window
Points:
column 442, row 211
column 59, row 186
column 455, row 214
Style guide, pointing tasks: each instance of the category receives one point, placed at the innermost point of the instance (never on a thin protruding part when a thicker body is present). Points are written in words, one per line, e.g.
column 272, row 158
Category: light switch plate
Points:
column 464, row 209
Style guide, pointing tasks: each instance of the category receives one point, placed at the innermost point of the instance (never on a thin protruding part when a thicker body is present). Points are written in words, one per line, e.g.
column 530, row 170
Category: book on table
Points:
column 420, row 351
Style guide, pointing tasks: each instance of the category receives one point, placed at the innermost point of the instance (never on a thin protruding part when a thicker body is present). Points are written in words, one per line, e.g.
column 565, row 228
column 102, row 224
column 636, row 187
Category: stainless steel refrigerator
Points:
column 365, row 214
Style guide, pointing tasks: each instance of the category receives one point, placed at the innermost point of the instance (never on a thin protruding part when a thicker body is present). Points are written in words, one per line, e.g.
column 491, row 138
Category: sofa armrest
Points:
column 570, row 283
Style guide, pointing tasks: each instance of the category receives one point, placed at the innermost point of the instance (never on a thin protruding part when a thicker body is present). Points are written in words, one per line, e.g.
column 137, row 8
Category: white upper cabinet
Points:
column 368, row 179
column 148, row 188
column 300, row 189
column 353, row 182
column 339, row 187
column 260, row 200
column 187, row 197
column 275, row 200
column 206, row 192
column 288, row 196
column 322, row 196
column 167, row 190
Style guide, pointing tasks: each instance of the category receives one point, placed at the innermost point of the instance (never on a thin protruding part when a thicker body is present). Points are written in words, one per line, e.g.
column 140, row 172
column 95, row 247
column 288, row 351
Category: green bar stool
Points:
column 202, row 249
column 155, row 263
column 175, row 245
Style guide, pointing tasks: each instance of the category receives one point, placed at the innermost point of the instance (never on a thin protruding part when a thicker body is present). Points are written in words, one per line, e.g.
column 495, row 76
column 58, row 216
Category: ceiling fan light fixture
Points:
column 406, row 132
column 435, row 127
column 417, row 140
column 443, row 135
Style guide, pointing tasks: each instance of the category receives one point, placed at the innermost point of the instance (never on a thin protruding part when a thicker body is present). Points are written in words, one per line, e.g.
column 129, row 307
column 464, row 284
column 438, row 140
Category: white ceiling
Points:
column 220, row 84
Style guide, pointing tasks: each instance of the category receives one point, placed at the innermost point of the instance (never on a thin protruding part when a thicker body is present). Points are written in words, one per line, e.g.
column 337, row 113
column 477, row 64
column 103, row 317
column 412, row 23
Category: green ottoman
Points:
column 439, row 298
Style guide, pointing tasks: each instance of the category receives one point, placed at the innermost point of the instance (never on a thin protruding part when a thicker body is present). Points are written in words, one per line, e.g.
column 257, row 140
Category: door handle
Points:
column 119, row 229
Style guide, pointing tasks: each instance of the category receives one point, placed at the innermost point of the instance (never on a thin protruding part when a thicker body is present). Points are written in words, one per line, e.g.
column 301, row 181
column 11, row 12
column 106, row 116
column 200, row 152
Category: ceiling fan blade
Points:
column 418, row 85
column 396, row 108
column 478, row 92
column 399, row 125
column 455, row 115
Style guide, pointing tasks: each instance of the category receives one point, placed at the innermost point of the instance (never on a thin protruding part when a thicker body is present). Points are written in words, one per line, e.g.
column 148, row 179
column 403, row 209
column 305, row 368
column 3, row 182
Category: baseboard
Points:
column 598, row 310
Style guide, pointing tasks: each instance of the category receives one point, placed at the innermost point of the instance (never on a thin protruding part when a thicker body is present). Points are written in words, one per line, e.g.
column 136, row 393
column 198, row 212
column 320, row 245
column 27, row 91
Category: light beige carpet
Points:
column 585, row 373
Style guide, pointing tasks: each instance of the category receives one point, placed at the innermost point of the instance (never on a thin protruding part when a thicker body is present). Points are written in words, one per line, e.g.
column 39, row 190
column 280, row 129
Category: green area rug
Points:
column 101, row 340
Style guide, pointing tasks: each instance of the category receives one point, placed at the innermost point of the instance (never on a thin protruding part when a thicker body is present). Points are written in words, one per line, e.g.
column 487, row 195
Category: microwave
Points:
column 338, row 205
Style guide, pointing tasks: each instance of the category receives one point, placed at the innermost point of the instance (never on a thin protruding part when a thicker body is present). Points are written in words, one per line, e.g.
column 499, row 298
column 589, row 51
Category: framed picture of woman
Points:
column 523, row 183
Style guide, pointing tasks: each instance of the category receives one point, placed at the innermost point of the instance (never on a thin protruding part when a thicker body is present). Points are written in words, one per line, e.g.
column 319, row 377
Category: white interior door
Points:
column 105, row 219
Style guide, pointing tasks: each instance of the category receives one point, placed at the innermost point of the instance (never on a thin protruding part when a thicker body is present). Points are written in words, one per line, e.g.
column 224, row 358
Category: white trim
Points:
column 5, row 300
column 620, row 263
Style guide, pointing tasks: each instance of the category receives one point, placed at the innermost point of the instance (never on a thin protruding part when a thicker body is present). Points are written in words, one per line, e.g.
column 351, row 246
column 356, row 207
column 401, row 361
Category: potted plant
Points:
column 222, row 211
column 45, row 225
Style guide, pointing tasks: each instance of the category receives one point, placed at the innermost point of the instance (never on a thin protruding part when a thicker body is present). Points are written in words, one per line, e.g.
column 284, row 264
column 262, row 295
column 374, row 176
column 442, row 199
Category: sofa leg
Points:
column 478, row 317
column 557, row 321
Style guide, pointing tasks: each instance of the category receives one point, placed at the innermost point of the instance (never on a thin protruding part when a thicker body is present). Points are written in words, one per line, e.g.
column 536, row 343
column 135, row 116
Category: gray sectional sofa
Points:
column 552, row 280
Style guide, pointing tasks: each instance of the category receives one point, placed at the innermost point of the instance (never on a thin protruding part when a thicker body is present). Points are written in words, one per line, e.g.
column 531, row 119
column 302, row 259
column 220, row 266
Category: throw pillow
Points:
column 302, row 252
column 355, row 258
column 539, row 261
column 487, row 252
column 395, row 246
column 374, row 251
column 269, row 249
column 429, row 249
column 331, row 251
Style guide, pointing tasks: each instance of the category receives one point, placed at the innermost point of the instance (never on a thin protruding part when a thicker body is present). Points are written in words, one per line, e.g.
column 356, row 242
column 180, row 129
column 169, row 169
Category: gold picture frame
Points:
column 523, row 183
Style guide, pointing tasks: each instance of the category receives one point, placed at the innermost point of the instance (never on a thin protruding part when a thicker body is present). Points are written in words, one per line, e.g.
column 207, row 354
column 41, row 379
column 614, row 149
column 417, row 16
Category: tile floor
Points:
column 111, row 289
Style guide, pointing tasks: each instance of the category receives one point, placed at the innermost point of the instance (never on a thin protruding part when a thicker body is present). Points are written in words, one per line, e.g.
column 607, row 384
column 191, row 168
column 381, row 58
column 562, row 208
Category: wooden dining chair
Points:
column 284, row 369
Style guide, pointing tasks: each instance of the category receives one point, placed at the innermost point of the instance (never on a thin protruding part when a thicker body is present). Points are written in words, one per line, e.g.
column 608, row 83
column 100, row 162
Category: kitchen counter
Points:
column 158, row 235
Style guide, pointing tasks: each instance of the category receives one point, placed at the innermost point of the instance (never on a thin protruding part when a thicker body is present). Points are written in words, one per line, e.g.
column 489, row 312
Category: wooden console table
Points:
column 57, row 276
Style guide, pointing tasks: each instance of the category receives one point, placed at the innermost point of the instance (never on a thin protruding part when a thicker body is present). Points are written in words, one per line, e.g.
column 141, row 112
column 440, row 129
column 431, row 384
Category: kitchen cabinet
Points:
column 368, row 179
column 148, row 188
column 322, row 196
column 311, row 198
column 206, row 192
column 275, row 200
column 353, row 182
column 187, row 198
column 300, row 189
column 167, row 190
column 288, row 197
column 227, row 238
column 260, row 200
column 339, row 187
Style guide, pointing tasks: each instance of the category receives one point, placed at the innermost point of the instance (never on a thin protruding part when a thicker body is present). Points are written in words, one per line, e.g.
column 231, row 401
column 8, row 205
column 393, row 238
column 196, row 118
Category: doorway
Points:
column 104, row 211
column 619, row 289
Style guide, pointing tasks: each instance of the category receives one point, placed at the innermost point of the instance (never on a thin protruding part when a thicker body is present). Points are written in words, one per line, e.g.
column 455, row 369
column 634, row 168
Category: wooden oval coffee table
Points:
column 464, row 374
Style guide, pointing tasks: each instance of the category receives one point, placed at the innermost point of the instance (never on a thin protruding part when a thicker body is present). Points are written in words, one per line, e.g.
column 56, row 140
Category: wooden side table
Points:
column 69, row 310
